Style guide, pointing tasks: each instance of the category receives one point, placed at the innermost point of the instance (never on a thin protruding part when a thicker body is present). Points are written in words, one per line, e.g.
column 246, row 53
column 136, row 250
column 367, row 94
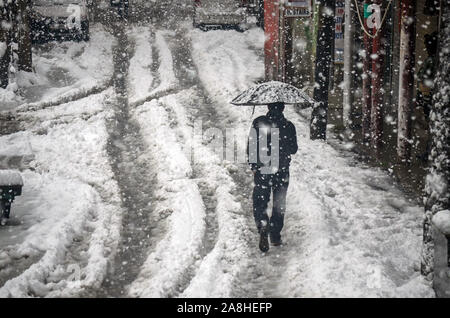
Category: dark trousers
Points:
column 265, row 184
column 5, row 207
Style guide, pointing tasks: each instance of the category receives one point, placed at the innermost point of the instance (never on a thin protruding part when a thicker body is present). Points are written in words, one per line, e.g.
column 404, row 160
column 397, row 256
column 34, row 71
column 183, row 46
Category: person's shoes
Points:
column 264, row 239
column 276, row 240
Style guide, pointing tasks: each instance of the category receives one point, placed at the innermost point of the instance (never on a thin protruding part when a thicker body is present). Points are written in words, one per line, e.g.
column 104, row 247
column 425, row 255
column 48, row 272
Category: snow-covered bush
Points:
column 442, row 221
column 437, row 191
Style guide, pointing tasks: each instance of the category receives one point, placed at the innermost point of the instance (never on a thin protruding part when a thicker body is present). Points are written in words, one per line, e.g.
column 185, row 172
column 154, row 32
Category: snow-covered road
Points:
column 127, row 192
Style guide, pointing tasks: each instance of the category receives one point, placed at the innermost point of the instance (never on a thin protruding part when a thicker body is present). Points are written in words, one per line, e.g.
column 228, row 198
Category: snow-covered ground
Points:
column 140, row 72
column 63, row 71
column 65, row 228
column 68, row 218
column 349, row 231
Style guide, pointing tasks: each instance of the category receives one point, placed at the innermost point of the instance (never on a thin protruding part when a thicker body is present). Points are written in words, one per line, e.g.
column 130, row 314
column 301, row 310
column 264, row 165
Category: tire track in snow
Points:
column 162, row 85
column 128, row 136
column 170, row 281
column 186, row 74
column 225, row 253
column 134, row 177
column 199, row 106
column 177, row 250
column 208, row 196
column 211, row 263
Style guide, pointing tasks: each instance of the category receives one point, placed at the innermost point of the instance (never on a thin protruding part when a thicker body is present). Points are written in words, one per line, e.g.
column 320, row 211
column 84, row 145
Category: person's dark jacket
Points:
column 287, row 139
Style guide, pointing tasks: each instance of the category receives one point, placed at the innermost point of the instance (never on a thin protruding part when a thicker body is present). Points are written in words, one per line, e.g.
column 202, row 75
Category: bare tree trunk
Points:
column 378, row 52
column 14, row 40
column 438, row 179
column 4, row 46
column 348, row 64
column 325, row 44
column 24, row 34
column 406, row 90
column 366, row 85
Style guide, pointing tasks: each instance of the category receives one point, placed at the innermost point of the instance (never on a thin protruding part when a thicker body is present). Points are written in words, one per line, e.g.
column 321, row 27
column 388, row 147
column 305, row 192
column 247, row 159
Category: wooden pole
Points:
column 406, row 89
column 325, row 44
column 348, row 64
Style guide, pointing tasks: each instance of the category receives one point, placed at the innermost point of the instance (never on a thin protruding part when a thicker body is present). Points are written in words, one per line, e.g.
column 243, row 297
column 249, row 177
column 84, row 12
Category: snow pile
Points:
column 140, row 76
column 26, row 79
column 67, row 70
column 84, row 108
column 442, row 221
column 8, row 96
column 226, row 65
column 10, row 177
column 166, row 72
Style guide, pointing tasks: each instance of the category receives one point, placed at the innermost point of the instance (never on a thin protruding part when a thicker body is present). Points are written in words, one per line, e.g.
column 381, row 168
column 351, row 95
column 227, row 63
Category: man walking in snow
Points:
column 271, row 143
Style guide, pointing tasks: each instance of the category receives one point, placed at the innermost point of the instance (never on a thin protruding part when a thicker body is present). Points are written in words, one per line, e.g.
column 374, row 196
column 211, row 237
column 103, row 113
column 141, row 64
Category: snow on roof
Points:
column 442, row 221
column 10, row 177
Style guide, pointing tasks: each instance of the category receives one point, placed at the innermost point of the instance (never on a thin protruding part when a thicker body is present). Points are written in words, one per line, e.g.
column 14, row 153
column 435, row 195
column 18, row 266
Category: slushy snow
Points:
column 442, row 221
